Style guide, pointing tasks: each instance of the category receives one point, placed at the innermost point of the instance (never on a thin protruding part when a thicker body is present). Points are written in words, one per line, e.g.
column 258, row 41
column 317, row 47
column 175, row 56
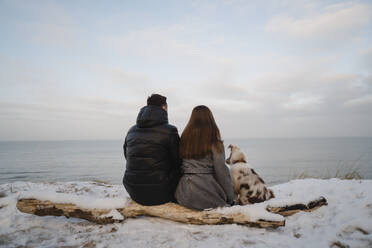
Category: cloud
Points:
column 366, row 60
column 298, row 101
column 335, row 22
column 52, row 25
column 165, row 41
column 172, row 49
column 255, row 86
column 363, row 100
column 296, row 89
column 74, row 109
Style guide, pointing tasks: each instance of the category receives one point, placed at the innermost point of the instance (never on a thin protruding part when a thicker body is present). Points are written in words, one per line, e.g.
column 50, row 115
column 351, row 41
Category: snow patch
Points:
column 255, row 212
column 114, row 214
column 346, row 220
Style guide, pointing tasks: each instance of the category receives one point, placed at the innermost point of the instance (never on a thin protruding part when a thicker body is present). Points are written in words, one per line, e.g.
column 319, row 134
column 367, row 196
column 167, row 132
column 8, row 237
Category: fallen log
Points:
column 288, row 210
column 170, row 211
column 47, row 208
column 175, row 212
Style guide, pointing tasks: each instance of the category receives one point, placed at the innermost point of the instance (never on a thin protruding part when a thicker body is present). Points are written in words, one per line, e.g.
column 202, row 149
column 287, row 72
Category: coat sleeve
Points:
column 125, row 148
column 222, row 175
column 175, row 156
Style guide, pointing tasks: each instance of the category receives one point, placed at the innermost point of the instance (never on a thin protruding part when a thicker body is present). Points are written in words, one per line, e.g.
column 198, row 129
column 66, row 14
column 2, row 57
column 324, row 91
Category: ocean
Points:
column 276, row 160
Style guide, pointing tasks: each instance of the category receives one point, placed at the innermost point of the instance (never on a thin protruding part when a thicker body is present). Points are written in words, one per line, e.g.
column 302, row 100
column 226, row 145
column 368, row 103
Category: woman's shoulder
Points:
column 200, row 160
column 218, row 154
column 218, row 148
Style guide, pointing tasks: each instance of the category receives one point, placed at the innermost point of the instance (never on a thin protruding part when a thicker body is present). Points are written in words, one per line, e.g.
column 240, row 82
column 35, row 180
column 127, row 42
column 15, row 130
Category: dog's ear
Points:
column 230, row 146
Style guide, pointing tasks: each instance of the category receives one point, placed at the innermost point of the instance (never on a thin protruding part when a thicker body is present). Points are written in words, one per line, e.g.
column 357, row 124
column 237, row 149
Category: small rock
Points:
column 89, row 244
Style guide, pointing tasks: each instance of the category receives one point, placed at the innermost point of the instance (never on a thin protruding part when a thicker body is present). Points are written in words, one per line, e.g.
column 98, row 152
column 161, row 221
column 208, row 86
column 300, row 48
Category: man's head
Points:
column 158, row 100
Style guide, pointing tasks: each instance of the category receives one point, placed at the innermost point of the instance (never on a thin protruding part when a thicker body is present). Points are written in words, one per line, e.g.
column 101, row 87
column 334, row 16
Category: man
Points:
column 151, row 149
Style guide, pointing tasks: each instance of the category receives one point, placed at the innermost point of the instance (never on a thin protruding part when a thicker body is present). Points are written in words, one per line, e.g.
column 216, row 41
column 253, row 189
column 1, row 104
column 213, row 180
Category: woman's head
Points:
column 200, row 134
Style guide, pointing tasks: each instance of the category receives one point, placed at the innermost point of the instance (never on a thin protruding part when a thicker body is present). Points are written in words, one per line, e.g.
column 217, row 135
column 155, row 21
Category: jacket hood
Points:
column 152, row 115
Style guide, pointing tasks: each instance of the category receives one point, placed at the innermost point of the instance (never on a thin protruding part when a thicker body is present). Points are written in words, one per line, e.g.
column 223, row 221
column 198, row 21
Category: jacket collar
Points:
column 152, row 115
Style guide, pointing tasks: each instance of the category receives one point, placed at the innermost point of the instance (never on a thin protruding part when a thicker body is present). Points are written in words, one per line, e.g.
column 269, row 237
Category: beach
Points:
column 345, row 221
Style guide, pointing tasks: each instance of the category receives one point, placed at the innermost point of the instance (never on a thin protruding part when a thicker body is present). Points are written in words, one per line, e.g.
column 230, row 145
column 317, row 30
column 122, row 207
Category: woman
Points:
column 206, row 181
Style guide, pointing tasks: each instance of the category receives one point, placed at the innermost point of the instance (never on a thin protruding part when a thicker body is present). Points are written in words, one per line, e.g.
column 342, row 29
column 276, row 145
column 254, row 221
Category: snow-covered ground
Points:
column 347, row 220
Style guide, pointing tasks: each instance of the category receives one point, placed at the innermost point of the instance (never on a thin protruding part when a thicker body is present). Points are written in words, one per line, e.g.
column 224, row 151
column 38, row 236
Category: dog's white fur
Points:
column 248, row 186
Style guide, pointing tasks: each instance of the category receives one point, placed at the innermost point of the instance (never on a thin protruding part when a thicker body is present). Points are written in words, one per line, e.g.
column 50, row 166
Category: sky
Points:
column 76, row 70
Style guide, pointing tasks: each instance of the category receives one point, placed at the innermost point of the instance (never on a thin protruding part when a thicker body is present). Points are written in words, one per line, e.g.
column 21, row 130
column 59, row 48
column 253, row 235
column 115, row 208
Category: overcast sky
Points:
column 83, row 69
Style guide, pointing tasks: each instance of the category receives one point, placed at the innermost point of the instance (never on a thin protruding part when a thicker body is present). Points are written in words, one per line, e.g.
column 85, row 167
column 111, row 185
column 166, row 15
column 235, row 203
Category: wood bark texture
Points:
column 170, row 211
column 289, row 210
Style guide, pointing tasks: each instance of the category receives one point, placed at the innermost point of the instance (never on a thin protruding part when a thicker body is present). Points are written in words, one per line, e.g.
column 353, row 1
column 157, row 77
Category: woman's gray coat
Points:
column 205, row 183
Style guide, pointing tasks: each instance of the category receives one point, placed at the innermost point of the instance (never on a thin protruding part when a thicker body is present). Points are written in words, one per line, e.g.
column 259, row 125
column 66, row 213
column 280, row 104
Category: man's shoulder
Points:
column 172, row 128
column 167, row 128
column 132, row 128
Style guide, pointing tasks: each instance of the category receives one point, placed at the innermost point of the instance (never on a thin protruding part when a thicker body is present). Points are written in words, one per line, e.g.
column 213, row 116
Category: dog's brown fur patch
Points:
column 242, row 160
column 244, row 186
column 255, row 200
column 261, row 180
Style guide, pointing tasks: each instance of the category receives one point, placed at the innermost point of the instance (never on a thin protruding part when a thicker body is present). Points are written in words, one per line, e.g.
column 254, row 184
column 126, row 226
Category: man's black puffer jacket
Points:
column 151, row 149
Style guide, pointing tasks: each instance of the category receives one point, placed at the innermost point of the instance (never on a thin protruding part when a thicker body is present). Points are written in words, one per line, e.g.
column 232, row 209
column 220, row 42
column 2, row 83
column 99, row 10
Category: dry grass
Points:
column 338, row 244
column 100, row 182
column 348, row 175
column 344, row 171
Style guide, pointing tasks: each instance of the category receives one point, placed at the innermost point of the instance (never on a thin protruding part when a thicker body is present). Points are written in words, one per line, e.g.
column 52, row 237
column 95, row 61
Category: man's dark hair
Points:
column 157, row 100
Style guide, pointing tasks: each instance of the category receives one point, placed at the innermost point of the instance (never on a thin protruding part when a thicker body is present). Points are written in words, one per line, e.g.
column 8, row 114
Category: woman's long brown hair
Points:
column 200, row 134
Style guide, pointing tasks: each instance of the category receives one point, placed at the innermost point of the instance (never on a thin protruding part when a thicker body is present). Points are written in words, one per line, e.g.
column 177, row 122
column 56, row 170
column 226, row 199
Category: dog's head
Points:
column 236, row 155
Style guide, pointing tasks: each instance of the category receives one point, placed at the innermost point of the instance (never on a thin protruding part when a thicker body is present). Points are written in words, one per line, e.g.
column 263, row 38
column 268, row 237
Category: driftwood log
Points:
column 170, row 211
column 175, row 212
column 293, row 209
column 48, row 208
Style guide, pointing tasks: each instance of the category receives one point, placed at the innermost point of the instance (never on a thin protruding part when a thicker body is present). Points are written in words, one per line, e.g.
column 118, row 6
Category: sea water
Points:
column 276, row 160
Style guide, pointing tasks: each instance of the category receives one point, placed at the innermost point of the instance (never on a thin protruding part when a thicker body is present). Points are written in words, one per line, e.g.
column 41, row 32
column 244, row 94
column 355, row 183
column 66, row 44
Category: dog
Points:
column 249, row 187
